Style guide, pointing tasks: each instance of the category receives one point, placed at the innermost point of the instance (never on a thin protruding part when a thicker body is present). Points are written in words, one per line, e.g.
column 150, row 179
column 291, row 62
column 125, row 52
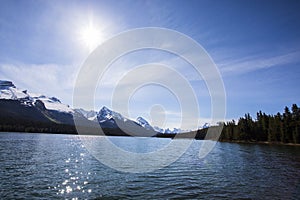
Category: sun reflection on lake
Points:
column 76, row 178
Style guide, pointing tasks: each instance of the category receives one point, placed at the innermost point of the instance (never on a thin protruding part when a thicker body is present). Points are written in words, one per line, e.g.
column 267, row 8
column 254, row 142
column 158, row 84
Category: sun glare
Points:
column 91, row 36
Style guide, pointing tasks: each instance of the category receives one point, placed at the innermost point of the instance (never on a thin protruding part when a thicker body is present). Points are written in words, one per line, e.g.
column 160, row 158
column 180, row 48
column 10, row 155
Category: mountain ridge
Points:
column 51, row 109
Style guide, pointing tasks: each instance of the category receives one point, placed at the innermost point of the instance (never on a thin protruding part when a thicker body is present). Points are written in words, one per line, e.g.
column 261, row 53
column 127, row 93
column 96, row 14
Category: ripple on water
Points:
column 35, row 166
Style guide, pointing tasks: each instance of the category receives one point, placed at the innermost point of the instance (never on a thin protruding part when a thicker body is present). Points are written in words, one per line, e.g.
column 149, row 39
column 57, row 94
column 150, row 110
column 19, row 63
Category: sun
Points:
column 90, row 36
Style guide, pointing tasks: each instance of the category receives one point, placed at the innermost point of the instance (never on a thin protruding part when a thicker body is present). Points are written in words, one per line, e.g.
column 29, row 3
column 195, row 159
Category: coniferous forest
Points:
column 280, row 128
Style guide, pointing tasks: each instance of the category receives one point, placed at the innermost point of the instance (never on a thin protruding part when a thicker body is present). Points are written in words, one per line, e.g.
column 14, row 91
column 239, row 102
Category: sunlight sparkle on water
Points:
column 76, row 178
column 65, row 182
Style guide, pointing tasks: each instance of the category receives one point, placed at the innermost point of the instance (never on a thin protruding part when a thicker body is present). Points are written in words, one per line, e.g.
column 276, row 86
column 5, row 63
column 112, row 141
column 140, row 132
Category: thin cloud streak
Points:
column 253, row 63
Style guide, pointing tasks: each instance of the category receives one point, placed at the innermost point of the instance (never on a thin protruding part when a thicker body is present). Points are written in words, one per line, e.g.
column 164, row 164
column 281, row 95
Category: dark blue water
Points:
column 45, row 166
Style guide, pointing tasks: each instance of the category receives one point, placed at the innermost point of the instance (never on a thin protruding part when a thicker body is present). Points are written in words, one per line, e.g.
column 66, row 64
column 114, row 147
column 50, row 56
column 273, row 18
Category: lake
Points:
column 46, row 166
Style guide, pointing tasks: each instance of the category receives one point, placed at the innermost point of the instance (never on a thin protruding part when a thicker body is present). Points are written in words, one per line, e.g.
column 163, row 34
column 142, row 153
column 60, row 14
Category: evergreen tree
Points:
column 271, row 131
column 283, row 128
column 287, row 117
column 295, row 123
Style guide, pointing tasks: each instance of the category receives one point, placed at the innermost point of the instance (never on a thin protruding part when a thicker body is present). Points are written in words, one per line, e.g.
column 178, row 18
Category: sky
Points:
column 254, row 44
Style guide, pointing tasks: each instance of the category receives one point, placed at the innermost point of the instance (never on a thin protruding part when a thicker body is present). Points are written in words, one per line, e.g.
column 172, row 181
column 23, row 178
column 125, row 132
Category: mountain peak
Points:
column 144, row 123
column 6, row 84
column 106, row 114
column 106, row 109
column 9, row 91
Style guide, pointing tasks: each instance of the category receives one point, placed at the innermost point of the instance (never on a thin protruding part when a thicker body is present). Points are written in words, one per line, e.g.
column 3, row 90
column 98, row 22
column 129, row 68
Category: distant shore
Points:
column 171, row 136
column 260, row 142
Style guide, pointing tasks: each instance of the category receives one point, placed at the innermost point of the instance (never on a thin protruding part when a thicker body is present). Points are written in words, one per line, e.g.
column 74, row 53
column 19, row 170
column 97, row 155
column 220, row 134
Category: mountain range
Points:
column 22, row 110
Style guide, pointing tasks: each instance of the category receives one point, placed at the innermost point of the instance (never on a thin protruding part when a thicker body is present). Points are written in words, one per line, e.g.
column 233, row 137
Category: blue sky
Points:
column 255, row 45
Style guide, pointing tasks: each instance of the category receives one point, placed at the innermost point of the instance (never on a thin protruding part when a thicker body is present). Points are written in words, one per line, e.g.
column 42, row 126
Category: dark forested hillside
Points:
column 282, row 128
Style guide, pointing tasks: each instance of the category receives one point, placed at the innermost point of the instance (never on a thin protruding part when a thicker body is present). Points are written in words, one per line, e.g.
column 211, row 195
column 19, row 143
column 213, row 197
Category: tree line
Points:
column 279, row 128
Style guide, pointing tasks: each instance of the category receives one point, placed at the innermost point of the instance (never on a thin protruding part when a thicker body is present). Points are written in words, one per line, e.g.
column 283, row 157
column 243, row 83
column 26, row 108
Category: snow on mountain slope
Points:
column 9, row 91
column 6, row 94
column 106, row 114
column 171, row 131
column 159, row 130
column 90, row 115
column 53, row 104
column 144, row 123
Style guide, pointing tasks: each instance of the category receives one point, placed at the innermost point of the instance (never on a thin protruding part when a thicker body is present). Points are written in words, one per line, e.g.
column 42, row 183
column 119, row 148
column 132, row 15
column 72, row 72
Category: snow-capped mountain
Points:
column 109, row 119
column 106, row 114
column 144, row 123
column 53, row 103
column 51, row 107
column 175, row 130
column 20, row 108
column 90, row 115
column 206, row 125
column 158, row 129
column 9, row 91
column 4, row 85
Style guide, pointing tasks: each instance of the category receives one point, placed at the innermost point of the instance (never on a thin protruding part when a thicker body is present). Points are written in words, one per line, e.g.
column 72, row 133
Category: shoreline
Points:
column 260, row 142
column 227, row 141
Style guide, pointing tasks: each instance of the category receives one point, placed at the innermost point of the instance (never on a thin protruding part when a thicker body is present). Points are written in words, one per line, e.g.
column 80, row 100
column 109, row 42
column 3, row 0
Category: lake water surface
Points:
column 45, row 166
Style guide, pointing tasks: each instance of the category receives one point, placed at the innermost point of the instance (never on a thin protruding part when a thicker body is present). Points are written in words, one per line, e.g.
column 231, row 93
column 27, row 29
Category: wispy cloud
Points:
column 257, row 62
